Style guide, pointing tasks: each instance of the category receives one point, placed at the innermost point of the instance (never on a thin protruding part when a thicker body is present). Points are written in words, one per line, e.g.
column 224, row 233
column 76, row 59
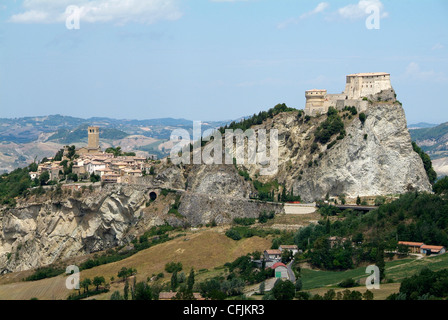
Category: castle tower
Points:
column 94, row 138
column 315, row 101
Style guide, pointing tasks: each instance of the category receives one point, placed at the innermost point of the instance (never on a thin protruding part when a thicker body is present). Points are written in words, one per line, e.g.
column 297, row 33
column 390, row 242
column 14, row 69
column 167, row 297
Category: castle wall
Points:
column 363, row 85
column 358, row 86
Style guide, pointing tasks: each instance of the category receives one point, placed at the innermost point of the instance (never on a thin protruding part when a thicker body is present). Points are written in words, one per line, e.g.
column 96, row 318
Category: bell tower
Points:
column 94, row 138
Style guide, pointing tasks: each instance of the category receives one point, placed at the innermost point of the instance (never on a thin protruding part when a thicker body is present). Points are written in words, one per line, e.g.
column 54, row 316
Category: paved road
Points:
column 291, row 274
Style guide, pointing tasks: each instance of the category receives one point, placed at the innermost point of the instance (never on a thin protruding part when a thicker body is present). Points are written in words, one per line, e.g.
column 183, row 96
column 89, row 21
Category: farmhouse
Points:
column 428, row 250
column 414, row 247
column 293, row 248
column 272, row 255
column 281, row 271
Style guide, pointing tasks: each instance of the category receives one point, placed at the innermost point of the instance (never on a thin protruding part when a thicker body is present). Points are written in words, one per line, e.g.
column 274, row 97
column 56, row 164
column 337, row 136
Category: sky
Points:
column 214, row 59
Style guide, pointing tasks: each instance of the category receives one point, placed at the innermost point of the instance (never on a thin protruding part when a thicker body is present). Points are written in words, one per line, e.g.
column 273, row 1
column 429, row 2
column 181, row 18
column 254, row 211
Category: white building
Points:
column 95, row 166
column 293, row 248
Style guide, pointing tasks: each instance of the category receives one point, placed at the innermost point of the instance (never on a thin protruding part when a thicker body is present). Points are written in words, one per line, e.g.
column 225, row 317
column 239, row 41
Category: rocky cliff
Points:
column 369, row 158
column 39, row 233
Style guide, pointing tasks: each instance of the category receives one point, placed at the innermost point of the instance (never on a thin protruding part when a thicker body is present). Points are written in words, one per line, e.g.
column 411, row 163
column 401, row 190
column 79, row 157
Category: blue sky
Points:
column 214, row 60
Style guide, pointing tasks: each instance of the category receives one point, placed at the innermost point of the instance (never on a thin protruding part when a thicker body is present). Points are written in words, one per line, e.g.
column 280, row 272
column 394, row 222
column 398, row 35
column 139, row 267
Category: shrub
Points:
column 233, row 234
column 347, row 283
column 264, row 216
column 362, row 117
column 172, row 267
column 244, row 221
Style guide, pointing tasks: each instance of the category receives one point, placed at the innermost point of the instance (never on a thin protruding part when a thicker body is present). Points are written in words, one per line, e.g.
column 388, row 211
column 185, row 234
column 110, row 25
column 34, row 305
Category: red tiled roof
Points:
column 289, row 246
column 273, row 251
column 411, row 244
column 278, row 264
column 432, row 248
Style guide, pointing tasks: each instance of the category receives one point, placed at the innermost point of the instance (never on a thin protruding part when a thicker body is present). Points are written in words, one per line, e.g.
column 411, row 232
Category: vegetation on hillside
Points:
column 17, row 183
column 367, row 236
column 427, row 285
column 67, row 136
column 331, row 126
column 257, row 119
column 427, row 163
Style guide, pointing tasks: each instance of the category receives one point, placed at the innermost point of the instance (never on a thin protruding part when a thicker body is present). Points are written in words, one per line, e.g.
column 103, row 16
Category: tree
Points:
column 115, row 151
column 43, row 178
column 174, row 282
column 85, row 284
column 181, row 278
column 379, row 262
column 368, row 295
column 94, row 178
column 362, row 117
column 124, row 273
column 358, row 201
column 142, row 291
column 283, row 290
column 116, row 296
column 33, row 167
column 441, row 186
column 126, row 290
column 184, row 293
column 71, row 151
column 286, row 256
column 171, row 267
column 262, row 287
column 298, row 285
column 190, row 281
column 330, row 295
column 97, row 281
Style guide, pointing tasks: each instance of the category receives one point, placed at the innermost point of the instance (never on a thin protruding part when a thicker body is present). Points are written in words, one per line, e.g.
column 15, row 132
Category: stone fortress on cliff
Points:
column 359, row 89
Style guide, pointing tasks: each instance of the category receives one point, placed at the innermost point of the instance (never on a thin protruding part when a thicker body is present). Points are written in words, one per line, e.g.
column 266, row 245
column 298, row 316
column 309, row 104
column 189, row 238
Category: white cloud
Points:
column 320, row 8
column 361, row 9
column 116, row 11
column 414, row 72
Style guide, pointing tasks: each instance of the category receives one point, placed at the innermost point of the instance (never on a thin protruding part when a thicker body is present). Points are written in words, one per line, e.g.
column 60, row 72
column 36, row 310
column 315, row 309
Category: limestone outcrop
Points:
column 38, row 234
column 374, row 157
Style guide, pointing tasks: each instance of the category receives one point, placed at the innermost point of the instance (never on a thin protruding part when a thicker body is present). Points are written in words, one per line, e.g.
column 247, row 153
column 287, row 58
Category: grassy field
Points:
column 316, row 281
column 206, row 249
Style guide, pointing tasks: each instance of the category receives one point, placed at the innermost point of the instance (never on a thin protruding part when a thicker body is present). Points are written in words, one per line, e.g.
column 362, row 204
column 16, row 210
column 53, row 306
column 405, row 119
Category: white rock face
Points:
column 376, row 158
column 40, row 234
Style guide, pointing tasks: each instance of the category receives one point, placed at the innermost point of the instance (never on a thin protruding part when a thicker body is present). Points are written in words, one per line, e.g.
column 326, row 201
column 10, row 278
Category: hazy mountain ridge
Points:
column 433, row 140
column 24, row 139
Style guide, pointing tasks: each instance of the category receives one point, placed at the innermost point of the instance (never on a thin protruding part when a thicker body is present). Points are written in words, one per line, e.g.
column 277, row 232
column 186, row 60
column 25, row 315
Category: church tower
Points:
column 94, row 138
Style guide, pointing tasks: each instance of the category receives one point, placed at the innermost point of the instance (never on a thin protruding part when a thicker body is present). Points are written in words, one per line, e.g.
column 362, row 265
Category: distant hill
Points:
column 67, row 136
column 422, row 125
column 24, row 139
column 432, row 140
